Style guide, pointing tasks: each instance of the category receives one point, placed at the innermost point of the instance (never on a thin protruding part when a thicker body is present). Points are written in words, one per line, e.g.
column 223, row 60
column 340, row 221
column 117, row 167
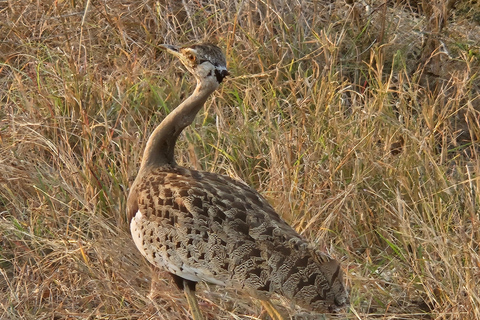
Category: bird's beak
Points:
column 171, row 49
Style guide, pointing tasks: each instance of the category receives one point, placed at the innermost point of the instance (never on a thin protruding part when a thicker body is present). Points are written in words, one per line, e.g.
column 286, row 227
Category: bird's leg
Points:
column 153, row 284
column 271, row 310
column 189, row 289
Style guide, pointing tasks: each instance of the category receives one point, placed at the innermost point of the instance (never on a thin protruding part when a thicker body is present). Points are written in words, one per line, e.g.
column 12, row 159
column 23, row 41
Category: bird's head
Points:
column 205, row 61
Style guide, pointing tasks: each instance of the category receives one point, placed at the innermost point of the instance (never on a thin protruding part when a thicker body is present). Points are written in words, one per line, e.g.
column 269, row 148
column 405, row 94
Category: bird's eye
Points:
column 191, row 57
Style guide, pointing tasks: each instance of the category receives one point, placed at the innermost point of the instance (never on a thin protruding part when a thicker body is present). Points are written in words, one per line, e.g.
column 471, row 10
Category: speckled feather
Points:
column 205, row 226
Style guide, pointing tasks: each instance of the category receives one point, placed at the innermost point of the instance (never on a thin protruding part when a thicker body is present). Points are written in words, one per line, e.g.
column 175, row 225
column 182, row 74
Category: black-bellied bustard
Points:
column 203, row 226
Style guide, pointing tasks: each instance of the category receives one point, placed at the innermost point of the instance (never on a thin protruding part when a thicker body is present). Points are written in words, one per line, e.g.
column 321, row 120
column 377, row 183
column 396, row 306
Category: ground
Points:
column 359, row 121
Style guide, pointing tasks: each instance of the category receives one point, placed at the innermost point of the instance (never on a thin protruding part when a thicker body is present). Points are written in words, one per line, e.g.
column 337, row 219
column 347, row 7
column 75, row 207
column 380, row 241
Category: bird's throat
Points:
column 161, row 143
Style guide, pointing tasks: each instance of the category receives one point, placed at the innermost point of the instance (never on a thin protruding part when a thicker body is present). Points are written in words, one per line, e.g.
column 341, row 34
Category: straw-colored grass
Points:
column 364, row 142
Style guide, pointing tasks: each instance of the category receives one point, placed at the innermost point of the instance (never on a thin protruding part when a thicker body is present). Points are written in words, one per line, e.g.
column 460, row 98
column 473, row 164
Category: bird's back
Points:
column 207, row 227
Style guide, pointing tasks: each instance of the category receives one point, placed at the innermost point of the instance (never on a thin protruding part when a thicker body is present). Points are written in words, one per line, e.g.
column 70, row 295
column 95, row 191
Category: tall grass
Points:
column 333, row 112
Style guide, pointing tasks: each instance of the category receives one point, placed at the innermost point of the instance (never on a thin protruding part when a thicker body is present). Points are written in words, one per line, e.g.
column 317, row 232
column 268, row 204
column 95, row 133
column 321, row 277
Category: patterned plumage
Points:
column 202, row 226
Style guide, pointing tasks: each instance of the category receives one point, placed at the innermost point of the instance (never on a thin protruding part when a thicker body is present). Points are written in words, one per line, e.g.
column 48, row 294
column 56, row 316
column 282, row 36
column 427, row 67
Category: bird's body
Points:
column 203, row 226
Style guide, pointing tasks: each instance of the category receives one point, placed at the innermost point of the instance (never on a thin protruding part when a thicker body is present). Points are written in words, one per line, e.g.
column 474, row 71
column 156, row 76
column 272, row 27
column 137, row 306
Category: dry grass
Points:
column 331, row 113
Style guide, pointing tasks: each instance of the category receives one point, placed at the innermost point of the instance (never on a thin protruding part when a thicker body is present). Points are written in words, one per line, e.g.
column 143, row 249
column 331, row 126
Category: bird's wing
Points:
column 204, row 226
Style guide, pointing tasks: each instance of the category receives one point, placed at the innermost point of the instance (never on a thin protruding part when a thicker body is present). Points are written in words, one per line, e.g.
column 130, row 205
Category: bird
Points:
column 203, row 226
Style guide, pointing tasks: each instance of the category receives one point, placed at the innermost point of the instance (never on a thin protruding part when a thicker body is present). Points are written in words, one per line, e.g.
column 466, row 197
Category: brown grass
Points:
column 365, row 141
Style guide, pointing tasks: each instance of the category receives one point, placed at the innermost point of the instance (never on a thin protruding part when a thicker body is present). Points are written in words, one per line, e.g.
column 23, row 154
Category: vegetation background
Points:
column 358, row 120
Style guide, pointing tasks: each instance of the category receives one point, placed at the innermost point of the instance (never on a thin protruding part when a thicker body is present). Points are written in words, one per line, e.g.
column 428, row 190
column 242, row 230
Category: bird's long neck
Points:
column 160, row 146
